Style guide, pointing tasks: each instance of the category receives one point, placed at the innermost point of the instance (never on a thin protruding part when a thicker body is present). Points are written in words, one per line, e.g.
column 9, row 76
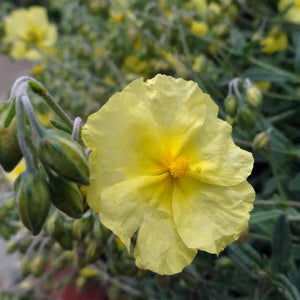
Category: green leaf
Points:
column 288, row 288
column 11, row 113
column 257, row 74
column 296, row 39
column 60, row 126
column 252, row 254
column 237, row 40
column 263, row 216
column 294, row 184
column 281, row 245
column 241, row 259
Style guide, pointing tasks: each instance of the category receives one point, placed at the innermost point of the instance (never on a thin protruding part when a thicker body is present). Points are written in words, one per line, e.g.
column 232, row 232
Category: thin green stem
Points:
column 23, row 136
column 31, row 115
column 39, row 89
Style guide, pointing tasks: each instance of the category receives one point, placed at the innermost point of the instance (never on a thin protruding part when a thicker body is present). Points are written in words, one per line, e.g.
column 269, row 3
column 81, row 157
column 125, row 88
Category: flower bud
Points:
column 38, row 265
column 65, row 195
column 65, row 239
column 33, row 200
column 246, row 117
column 54, row 225
column 253, row 96
column 231, row 105
column 10, row 153
column 82, row 227
column 63, row 155
column 93, row 252
column 12, row 246
column 261, row 140
column 25, row 266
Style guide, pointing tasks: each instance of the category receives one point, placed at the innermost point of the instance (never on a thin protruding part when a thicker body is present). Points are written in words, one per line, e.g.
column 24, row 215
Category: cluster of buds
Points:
column 242, row 106
column 56, row 163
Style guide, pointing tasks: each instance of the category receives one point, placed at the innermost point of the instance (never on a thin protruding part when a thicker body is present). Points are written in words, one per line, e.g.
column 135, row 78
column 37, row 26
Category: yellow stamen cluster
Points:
column 179, row 167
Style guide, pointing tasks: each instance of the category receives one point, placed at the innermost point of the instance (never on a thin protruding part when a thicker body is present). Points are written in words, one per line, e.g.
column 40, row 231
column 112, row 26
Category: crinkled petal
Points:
column 210, row 217
column 214, row 157
column 178, row 106
column 124, row 140
column 123, row 205
column 159, row 248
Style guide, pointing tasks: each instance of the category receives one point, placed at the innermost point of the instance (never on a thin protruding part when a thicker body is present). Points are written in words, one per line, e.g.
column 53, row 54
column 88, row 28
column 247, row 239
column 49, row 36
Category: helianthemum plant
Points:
column 165, row 166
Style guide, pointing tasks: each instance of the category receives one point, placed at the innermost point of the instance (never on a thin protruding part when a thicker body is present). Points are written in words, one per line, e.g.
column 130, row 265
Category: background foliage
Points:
column 102, row 46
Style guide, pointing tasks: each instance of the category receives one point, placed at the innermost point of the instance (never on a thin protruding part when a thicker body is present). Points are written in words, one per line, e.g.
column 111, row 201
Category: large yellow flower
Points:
column 164, row 165
column 27, row 32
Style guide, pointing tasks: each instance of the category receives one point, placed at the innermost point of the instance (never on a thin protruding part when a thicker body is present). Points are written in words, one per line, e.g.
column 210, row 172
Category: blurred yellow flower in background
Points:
column 198, row 28
column 164, row 165
column 275, row 41
column 293, row 13
column 27, row 32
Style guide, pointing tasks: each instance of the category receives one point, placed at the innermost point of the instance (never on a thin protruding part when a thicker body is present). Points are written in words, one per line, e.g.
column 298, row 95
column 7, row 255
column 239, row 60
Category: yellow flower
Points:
column 275, row 41
column 198, row 28
column 27, row 32
column 293, row 13
column 38, row 69
column 164, row 165
column 133, row 63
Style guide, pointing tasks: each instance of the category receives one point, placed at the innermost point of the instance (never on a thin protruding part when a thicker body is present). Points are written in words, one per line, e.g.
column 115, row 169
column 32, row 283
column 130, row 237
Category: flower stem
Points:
column 23, row 136
column 39, row 89
column 31, row 115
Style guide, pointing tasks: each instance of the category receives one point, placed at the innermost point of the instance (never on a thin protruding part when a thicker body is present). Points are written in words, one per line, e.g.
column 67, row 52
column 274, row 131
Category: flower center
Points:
column 179, row 167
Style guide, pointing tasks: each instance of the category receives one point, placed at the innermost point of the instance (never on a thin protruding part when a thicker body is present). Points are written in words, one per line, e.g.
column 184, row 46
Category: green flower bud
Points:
column 231, row 105
column 261, row 140
column 93, row 252
column 38, row 265
column 24, row 243
column 253, row 96
column 246, row 117
column 82, row 227
column 12, row 246
column 65, row 239
column 63, row 155
column 33, row 200
column 55, row 225
column 10, row 153
column 66, row 196
column 25, row 266
column 62, row 260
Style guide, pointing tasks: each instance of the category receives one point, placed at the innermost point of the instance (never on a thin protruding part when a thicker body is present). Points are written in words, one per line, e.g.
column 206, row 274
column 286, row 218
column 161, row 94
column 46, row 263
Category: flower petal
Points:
column 209, row 217
column 179, row 107
column 159, row 248
column 123, row 205
column 125, row 143
column 214, row 157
